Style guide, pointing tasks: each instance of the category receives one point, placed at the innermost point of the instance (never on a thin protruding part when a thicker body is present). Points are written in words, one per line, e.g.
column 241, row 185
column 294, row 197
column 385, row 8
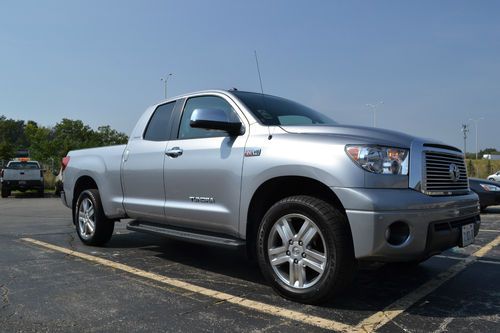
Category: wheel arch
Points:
column 82, row 183
column 275, row 189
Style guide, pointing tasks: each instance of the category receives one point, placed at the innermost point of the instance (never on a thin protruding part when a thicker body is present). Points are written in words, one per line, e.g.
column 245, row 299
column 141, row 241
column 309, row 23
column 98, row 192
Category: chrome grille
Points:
column 438, row 180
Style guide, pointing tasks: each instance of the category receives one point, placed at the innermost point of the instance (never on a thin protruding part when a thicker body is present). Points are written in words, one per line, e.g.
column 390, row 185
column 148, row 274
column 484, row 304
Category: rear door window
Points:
column 158, row 128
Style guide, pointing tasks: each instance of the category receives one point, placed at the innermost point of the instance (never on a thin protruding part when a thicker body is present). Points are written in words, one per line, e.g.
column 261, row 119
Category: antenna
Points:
column 269, row 137
column 258, row 71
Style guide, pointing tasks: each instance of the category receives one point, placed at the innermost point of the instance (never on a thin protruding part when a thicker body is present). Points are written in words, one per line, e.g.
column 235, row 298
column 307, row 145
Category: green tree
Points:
column 107, row 136
column 7, row 151
column 50, row 144
column 471, row 170
column 40, row 141
column 72, row 134
column 12, row 132
column 488, row 151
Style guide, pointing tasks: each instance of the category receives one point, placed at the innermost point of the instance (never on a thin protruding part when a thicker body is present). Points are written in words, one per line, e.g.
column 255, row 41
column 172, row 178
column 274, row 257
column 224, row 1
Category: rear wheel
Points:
column 5, row 193
column 41, row 192
column 92, row 226
column 305, row 249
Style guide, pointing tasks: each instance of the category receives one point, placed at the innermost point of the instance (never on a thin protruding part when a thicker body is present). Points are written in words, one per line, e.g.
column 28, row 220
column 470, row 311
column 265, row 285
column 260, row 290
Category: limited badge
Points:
column 249, row 152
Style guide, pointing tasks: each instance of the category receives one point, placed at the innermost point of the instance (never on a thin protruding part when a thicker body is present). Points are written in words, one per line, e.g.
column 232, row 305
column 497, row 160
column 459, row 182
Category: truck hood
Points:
column 359, row 134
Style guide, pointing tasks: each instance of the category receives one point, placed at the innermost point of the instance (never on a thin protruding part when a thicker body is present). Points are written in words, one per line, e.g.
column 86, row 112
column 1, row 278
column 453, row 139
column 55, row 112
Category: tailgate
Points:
column 22, row 174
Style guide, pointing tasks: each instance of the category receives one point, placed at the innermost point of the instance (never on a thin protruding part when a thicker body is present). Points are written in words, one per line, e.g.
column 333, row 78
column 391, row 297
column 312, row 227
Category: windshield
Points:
column 23, row 165
column 277, row 111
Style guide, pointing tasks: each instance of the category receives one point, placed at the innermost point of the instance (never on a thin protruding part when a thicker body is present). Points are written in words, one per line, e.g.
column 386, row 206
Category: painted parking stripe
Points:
column 240, row 301
column 488, row 230
column 460, row 258
column 381, row 318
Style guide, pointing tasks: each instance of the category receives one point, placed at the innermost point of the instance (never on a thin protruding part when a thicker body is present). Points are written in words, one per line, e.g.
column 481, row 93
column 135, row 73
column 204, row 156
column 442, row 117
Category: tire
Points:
column 492, row 179
column 320, row 237
column 92, row 226
column 41, row 192
column 5, row 193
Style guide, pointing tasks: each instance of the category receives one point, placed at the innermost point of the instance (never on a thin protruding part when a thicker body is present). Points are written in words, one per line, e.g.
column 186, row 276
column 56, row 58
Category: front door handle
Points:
column 174, row 152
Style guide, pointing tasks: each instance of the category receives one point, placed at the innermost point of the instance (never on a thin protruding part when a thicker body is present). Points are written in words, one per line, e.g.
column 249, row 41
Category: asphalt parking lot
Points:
column 50, row 282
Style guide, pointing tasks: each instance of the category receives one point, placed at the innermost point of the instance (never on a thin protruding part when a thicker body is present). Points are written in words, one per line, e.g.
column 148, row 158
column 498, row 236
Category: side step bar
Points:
column 185, row 235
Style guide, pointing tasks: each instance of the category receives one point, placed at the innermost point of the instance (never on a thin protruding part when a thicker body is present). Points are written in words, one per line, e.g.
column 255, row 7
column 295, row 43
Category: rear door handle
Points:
column 174, row 152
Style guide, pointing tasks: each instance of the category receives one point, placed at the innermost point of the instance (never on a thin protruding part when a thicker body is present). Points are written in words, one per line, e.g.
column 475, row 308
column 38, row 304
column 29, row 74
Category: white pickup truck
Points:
column 304, row 194
column 21, row 176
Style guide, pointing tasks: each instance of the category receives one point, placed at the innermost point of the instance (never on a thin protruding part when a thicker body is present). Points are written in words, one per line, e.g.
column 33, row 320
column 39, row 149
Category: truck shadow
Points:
column 375, row 285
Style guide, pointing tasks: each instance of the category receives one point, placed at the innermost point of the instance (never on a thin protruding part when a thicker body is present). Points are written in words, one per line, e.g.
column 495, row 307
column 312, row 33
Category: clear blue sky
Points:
column 435, row 64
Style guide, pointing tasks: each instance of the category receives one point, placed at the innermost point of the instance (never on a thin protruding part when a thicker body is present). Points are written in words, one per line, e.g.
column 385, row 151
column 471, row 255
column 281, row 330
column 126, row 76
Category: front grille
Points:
column 438, row 180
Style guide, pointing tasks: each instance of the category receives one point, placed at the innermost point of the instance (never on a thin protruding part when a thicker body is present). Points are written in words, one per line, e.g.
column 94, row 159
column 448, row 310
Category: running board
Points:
column 185, row 235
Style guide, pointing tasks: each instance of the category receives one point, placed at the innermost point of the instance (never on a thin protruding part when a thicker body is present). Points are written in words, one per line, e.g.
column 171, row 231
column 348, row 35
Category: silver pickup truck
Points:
column 22, row 176
column 305, row 196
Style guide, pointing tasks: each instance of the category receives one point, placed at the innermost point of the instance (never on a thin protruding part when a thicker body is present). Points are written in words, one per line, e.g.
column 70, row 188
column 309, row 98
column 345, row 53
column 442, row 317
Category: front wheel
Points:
column 305, row 249
column 92, row 226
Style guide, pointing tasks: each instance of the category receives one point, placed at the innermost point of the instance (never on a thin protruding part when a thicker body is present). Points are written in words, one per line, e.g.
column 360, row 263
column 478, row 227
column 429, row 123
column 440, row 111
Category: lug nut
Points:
column 300, row 243
column 287, row 253
column 303, row 254
column 295, row 261
column 290, row 242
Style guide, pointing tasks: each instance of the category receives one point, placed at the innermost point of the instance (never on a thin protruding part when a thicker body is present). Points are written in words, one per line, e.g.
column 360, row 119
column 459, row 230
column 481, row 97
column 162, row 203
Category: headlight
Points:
column 381, row 160
column 490, row 188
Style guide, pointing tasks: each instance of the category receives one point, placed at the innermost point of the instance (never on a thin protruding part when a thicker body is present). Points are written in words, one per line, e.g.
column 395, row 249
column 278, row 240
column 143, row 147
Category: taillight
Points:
column 41, row 173
column 64, row 162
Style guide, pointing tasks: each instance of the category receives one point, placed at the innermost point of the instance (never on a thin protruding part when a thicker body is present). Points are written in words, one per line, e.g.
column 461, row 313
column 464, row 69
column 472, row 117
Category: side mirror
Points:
column 215, row 119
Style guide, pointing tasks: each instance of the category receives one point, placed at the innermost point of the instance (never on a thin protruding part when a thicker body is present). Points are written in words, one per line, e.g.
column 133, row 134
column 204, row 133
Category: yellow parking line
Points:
column 381, row 318
column 488, row 230
column 240, row 301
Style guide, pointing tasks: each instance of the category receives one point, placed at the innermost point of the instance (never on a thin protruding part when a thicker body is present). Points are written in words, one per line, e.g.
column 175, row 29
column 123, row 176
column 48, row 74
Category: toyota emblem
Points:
column 454, row 172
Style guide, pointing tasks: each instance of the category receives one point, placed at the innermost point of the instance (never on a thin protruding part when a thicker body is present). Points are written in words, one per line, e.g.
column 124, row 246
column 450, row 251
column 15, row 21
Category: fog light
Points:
column 397, row 233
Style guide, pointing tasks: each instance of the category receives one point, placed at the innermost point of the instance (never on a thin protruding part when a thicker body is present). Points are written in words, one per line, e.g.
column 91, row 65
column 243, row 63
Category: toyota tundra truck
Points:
column 305, row 196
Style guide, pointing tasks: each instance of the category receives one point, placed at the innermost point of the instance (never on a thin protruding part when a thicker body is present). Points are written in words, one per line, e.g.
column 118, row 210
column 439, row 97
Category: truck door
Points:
column 142, row 169
column 203, row 171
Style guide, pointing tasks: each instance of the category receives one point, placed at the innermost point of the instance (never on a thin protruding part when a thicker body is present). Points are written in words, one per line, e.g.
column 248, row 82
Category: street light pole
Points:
column 475, row 122
column 374, row 109
column 465, row 130
column 165, row 81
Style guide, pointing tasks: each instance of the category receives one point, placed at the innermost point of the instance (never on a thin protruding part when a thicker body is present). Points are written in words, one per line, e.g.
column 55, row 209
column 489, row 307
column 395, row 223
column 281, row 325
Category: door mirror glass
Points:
column 215, row 119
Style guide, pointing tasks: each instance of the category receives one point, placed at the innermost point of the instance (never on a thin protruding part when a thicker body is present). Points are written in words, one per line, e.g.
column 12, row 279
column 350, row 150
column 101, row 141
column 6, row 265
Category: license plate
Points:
column 467, row 234
column 22, row 182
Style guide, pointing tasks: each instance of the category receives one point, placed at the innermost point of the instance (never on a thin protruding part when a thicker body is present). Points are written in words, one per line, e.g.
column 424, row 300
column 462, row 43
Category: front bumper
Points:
column 434, row 221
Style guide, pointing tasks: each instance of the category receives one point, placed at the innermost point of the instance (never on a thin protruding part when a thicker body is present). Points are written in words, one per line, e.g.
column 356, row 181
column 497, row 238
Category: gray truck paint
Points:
column 139, row 181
